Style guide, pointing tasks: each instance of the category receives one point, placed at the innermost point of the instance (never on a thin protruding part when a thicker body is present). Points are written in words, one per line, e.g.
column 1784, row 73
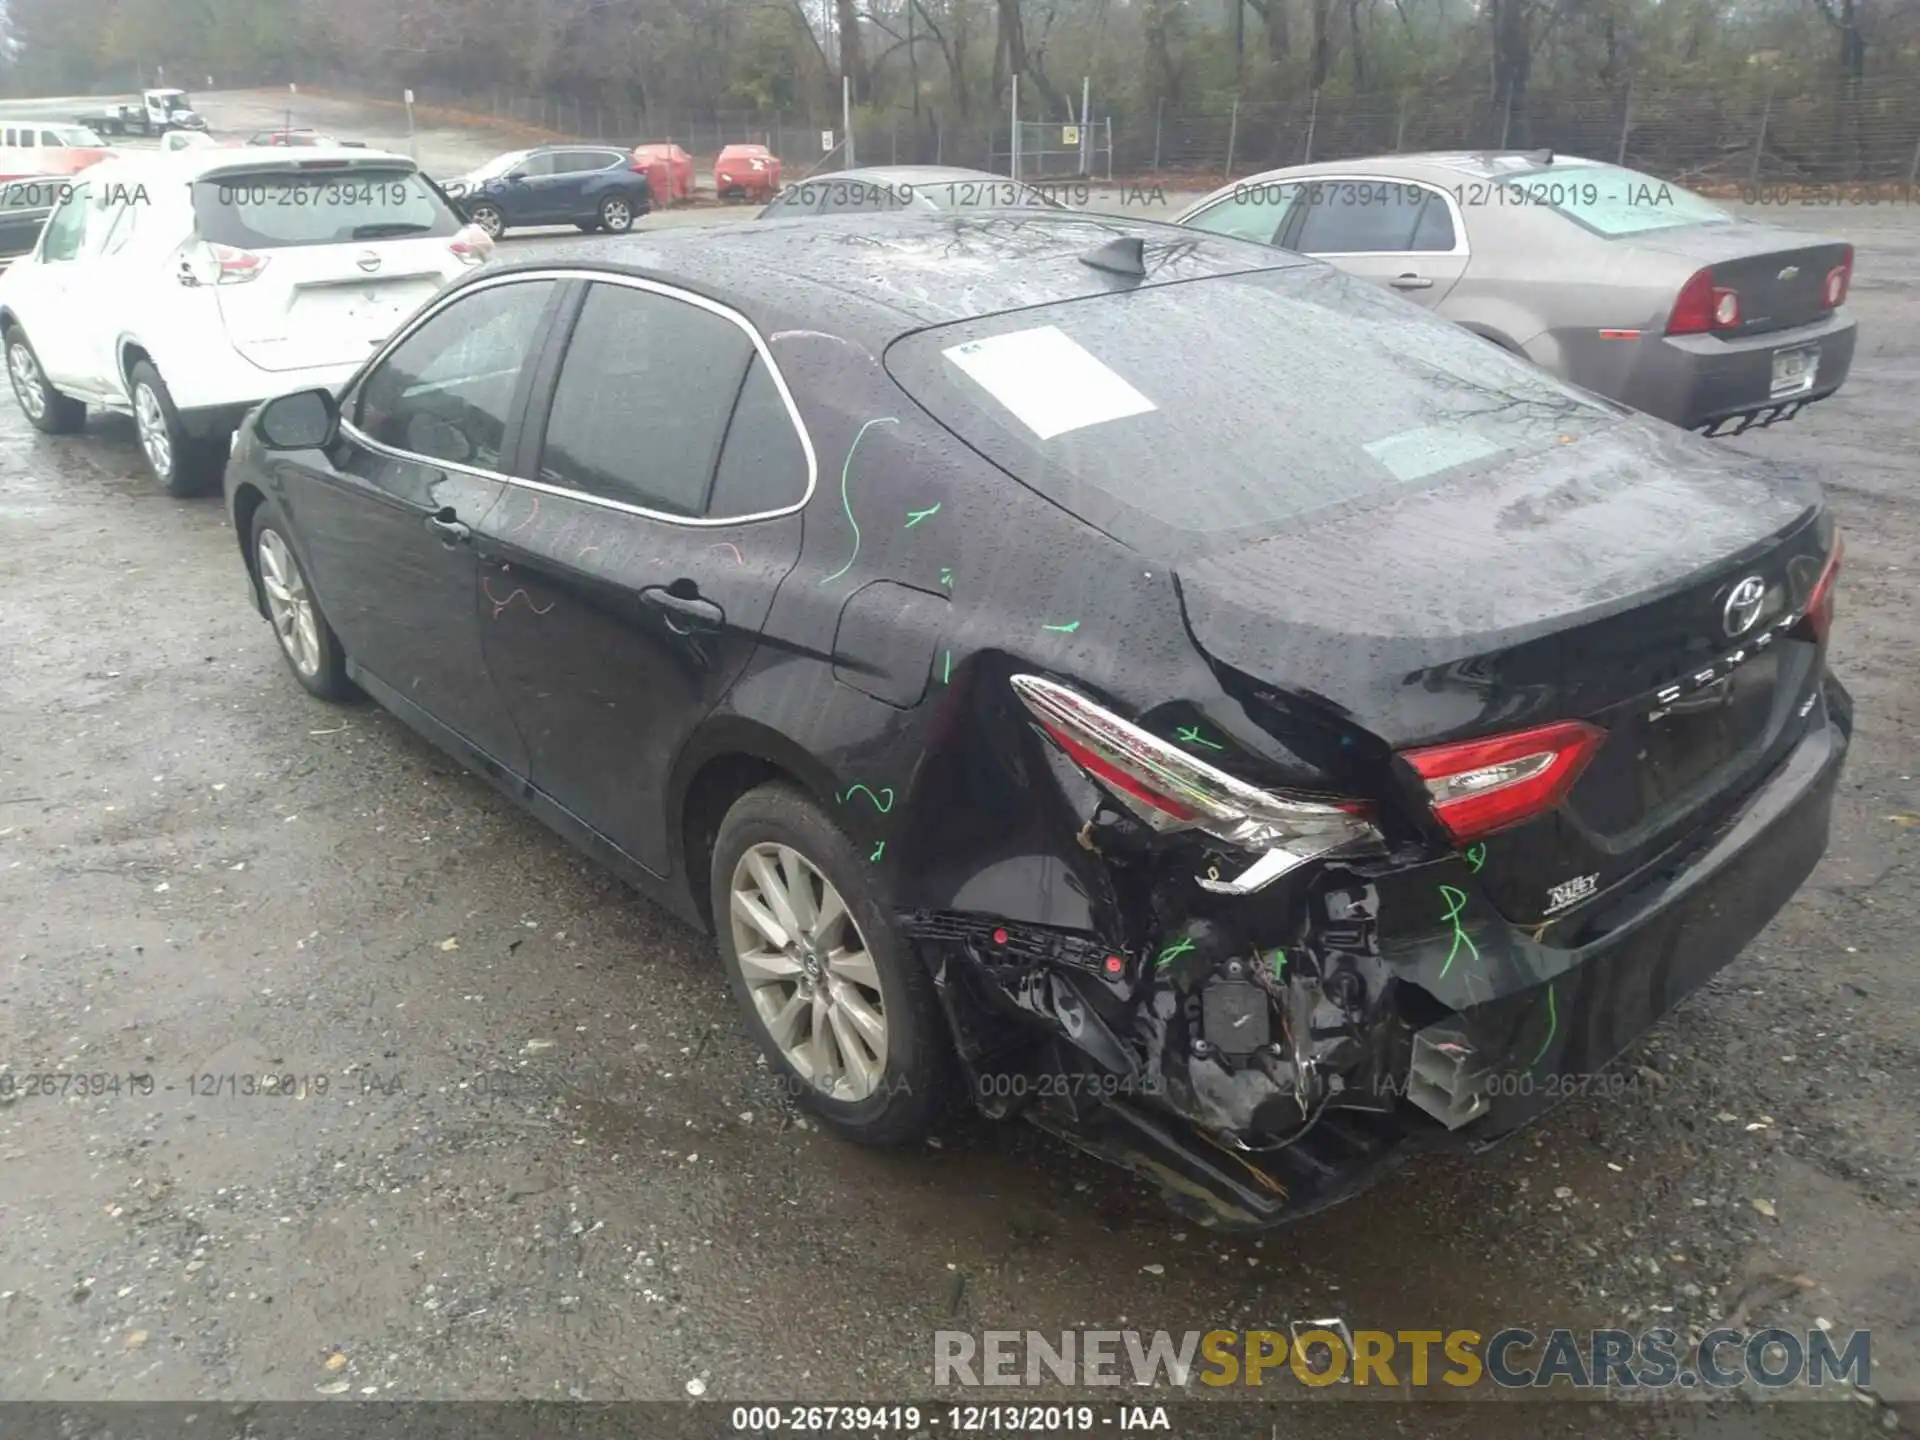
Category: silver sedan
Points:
column 1623, row 284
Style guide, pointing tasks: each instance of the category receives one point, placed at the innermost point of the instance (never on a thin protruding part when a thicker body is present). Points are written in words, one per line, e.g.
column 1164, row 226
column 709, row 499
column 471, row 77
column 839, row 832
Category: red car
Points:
column 679, row 170
column 52, row 160
column 746, row 172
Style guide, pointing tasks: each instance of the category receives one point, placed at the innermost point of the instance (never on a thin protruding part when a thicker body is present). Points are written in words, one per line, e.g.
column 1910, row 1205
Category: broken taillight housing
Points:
column 1479, row 786
column 1172, row 792
column 1817, row 622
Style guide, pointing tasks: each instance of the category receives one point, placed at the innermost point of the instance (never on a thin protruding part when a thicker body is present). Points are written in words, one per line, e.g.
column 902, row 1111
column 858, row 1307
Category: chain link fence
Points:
column 1747, row 133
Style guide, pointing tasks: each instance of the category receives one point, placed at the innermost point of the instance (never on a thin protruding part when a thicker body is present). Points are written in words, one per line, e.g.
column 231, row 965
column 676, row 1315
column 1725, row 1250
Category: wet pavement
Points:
column 516, row 1144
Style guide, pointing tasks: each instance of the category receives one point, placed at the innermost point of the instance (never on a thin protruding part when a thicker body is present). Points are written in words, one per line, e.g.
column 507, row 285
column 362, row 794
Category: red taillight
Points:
column 1819, row 617
column 1838, row 279
column 1112, row 774
column 1703, row 307
column 472, row 246
column 1479, row 786
column 234, row 266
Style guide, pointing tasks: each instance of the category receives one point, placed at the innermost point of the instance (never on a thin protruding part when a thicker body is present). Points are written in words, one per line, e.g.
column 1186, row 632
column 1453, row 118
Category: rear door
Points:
column 350, row 248
column 1402, row 234
column 626, row 581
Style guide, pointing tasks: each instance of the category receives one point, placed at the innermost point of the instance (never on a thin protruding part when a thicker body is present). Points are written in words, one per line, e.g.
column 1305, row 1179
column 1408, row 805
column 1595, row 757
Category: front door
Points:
column 389, row 515
column 1397, row 233
column 56, row 311
column 625, row 584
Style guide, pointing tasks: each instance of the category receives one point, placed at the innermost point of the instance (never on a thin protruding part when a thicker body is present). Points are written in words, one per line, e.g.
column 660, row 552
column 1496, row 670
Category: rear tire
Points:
column 490, row 219
column 616, row 215
column 185, row 465
column 861, row 1038
column 307, row 643
column 46, row 409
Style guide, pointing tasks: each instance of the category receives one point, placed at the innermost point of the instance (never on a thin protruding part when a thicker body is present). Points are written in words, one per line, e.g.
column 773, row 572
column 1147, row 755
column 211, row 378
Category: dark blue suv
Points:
column 592, row 186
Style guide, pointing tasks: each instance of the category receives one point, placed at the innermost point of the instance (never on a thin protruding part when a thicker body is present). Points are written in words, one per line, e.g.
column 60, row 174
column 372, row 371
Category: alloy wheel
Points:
column 151, row 421
column 24, row 371
column 489, row 220
column 289, row 604
column 808, row 970
column 615, row 215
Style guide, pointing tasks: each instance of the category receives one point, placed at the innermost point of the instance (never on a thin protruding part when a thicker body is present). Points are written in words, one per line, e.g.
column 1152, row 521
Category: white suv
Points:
column 185, row 288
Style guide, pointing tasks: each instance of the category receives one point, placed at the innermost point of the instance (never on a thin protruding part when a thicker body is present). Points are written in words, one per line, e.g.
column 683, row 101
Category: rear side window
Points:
column 1345, row 217
column 1187, row 417
column 763, row 466
column 643, row 399
column 581, row 161
column 1435, row 230
column 279, row 209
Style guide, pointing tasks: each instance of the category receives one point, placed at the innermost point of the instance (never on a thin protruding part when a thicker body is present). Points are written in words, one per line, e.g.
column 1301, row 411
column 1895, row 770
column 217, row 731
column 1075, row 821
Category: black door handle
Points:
column 449, row 526
column 690, row 611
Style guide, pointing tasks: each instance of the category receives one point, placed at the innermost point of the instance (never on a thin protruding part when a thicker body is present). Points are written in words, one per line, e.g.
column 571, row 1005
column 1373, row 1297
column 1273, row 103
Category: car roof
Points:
column 191, row 164
column 1427, row 165
column 871, row 278
column 910, row 174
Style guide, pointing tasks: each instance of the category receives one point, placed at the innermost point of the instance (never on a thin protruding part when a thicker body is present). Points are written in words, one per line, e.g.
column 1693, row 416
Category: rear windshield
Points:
column 275, row 209
column 1188, row 417
column 1612, row 202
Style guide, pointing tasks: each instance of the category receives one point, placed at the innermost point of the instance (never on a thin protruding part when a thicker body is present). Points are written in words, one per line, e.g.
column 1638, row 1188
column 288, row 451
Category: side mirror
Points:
column 517, row 175
column 305, row 420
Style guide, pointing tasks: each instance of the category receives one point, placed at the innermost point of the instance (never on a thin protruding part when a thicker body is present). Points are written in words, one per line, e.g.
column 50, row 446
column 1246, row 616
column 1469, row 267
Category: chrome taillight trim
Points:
column 1225, row 807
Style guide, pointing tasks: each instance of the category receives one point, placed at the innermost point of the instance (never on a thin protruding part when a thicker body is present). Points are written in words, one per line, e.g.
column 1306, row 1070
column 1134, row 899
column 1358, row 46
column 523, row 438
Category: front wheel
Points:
column 830, row 989
column 46, row 409
column 307, row 643
column 616, row 215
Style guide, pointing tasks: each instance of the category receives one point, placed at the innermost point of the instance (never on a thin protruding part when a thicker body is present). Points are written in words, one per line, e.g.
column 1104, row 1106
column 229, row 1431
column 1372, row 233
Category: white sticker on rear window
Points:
column 1050, row 382
column 1416, row 454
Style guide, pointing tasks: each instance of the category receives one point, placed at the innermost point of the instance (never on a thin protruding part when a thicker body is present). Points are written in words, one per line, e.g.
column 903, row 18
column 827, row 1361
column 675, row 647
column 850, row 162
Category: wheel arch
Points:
column 247, row 500
column 726, row 759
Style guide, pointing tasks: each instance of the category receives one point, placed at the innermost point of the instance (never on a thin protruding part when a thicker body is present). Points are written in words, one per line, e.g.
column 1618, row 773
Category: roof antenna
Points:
column 1122, row 255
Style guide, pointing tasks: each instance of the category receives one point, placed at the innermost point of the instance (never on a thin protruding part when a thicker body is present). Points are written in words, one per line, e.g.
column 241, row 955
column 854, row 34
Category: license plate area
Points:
column 1794, row 372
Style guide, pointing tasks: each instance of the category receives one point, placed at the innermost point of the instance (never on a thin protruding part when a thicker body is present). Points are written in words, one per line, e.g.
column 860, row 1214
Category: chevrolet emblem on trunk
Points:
column 369, row 262
column 1789, row 273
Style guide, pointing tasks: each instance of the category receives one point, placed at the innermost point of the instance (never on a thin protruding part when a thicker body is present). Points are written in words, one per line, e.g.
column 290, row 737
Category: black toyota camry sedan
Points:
column 1143, row 681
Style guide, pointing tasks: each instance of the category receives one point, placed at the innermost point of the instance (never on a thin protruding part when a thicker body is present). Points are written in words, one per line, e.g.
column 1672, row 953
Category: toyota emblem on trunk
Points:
column 1792, row 272
column 369, row 262
column 1743, row 605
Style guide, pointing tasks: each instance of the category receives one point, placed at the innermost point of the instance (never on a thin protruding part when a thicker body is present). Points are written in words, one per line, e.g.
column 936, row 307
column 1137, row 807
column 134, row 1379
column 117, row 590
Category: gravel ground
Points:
column 546, row 1164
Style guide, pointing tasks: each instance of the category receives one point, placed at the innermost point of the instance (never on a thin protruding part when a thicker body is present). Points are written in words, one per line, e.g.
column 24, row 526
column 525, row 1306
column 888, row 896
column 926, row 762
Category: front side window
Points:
column 1254, row 211
column 445, row 392
column 279, row 209
column 67, row 227
column 1350, row 217
column 643, row 400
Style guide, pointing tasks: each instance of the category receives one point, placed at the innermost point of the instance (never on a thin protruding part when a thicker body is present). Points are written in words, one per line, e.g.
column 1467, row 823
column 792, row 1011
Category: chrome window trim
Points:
column 632, row 282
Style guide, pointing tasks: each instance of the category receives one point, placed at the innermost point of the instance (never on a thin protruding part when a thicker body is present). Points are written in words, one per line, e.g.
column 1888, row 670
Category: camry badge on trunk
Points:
column 369, row 262
column 1743, row 605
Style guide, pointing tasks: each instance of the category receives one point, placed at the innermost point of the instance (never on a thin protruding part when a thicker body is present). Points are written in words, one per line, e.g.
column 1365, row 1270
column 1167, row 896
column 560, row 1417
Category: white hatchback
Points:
column 184, row 288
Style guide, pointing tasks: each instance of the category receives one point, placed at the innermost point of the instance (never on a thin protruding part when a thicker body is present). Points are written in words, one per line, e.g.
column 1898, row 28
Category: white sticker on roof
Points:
column 1048, row 380
column 1416, row 454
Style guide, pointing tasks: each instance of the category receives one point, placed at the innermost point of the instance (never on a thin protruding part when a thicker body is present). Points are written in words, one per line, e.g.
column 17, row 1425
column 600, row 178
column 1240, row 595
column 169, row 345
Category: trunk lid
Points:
column 1780, row 275
column 1588, row 582
column 352, row 248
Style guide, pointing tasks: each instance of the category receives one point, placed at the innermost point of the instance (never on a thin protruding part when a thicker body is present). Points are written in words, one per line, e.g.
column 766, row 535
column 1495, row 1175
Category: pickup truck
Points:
column 158, row 112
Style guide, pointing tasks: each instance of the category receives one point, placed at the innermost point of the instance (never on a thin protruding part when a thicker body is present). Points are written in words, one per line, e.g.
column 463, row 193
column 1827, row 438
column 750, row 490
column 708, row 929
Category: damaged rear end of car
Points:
column 1460, row 730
